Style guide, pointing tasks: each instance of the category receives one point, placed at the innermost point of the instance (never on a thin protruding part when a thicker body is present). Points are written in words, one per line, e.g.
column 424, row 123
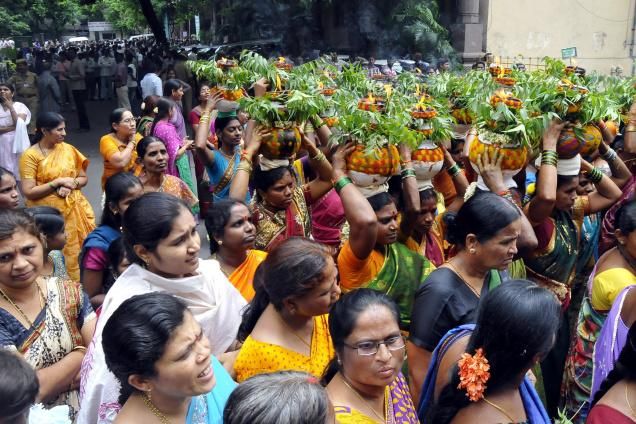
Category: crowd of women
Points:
column 312, row 294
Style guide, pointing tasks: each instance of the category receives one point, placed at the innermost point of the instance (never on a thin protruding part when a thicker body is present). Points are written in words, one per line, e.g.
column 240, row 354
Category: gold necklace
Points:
column 44, row 153
column 160, row 416
column 20, row 311
column 294, row 332
column 631, row 410
column 459, row 274
column 355, row 392
column 500, row 409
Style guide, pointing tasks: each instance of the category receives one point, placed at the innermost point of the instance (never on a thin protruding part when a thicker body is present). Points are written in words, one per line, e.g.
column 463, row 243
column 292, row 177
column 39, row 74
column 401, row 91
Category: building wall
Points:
column 600, row 30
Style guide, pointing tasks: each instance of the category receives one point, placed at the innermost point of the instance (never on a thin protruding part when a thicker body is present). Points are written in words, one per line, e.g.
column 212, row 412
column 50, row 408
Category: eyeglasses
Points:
column 128, row 120
column 371, row 347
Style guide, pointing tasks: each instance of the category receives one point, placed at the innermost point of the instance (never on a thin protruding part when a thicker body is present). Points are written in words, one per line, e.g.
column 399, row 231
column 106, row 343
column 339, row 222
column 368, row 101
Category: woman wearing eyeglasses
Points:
column 364, row 381
column 118, row 146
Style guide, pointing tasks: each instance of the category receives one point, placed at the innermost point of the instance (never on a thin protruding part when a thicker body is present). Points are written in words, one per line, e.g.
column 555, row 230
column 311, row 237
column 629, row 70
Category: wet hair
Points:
column 116, row 116
column 148, row 220
column 12, row 220
column 170, row 86
column 380, row 200
column 257, row 400
column 508, row 342
column 343, row 318
column 164, row 106
column 428, row 194
column 46, row 121
column 135, row 336
column 625, row 367
column 150, row 103
column 115, row 189
column 625, row 218
column 264, row 180
column 9, row 86
column 19, row 386
column 216, row 219
column 143, row 144
column 49, row 220
column 291, row 270
column 484, row 215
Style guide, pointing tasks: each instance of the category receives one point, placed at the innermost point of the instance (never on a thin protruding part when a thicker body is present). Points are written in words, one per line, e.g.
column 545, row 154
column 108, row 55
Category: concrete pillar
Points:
column 467, row 33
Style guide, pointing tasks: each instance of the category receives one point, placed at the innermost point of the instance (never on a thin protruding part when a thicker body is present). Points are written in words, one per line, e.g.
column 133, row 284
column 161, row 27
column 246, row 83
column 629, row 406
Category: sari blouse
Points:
column 55, row 332
column 608, row 284
column 64, row 160
column 108, row 146
column 243, row 276
column 256, row 357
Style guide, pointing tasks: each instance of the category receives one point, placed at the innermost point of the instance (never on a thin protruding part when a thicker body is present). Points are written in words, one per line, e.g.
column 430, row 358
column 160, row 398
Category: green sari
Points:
column 402, row 274
column 185, row 173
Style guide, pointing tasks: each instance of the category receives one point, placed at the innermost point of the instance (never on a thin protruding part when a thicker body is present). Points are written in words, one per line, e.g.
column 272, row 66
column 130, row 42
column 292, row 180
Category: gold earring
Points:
column 220, row 242
column 472, row 251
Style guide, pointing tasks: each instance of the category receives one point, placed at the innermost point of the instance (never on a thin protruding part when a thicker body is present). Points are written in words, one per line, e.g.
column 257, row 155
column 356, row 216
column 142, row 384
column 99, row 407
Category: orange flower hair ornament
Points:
column 473, row 374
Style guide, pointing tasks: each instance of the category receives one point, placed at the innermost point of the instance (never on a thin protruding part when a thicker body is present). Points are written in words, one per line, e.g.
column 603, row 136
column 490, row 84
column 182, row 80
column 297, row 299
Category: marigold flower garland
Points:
column 473, row 374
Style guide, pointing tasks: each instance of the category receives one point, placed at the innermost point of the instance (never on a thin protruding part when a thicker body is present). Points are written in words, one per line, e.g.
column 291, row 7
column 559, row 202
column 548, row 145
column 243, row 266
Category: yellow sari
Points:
column 63, row 161
column 243, row 277
column 258, row 357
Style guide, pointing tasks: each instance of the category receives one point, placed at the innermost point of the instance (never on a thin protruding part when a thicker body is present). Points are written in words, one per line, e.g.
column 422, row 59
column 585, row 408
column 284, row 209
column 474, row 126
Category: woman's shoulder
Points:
column 442, row 281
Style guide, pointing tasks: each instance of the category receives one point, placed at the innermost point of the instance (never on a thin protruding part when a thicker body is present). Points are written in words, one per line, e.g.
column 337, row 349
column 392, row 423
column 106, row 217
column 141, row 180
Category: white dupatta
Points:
column 213, row 301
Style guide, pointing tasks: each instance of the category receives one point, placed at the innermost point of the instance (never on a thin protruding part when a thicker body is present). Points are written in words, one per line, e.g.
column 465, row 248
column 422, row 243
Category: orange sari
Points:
column 243, row 277
column 63, row 161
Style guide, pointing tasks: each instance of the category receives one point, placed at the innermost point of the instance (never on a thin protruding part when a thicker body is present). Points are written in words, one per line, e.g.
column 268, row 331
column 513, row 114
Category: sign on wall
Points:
column 97, row 26
column 568, row 53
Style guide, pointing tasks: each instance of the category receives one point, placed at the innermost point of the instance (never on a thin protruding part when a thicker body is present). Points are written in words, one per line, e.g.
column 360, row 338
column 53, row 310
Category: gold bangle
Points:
column 79, row 349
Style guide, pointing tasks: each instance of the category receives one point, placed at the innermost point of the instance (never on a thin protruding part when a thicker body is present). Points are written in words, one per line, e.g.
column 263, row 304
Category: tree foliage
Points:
column 21, row 17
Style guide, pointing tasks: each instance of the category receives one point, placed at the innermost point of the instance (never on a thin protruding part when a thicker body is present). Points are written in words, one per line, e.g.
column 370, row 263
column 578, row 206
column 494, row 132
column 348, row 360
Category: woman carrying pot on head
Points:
column 153, row 156
column 164, row 248
column 163, row 361
column 613, row 402
column 373, row 257
column 495, row 353
column 46, row 319
column 285, row 326
column 556, row 213
column 9, row 193
column 148, row 113
column 281, row 209
column 53, row 173
column 14, row 118
column 484, row 231
column 364, row 380
column 614, row 271
column 232, row 236
column 118, row 147
column 121, row 190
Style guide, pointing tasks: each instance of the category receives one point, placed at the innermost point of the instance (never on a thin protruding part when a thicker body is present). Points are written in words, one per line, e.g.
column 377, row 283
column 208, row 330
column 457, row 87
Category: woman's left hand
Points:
column 63, row 191
column 489, row 166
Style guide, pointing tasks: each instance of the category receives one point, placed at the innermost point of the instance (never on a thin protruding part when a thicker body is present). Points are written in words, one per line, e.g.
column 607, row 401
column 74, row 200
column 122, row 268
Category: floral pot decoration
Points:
column 283, row 64
column 370, row 170
column 225, row 63
column 372, row 103
column 428, row 161
column 515, row 155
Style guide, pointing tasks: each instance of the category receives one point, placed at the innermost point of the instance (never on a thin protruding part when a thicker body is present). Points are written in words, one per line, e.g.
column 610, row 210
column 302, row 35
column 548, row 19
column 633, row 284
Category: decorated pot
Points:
column 568, row 144
column 506, row 98
column 514, row 156
column 505, row 81
column 612, row 127
column 283, row 64
column 498, row 71
column 370, row 171
column 282, row 142
column 330, row 121
column 428, row 161
column 592, row 138
column 423, row 112
column 229, row 94
column 372, row 104
column 328, row 91
column 462, row 115
column 224, row 63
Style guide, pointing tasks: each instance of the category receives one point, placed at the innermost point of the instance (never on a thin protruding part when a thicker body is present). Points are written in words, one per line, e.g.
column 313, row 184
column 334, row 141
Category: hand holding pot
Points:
column 339, row 160
column 258, row 133
column 489, row 166
column 212, row 101
column 260, row 87
column 551, row 135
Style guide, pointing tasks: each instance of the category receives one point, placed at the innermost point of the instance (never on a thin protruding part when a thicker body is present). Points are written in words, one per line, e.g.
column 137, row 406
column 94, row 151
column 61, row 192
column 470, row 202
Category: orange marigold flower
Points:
column 473, row 374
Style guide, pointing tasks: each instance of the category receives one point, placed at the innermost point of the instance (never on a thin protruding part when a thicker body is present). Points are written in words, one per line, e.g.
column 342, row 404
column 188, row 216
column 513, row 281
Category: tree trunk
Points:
column 153, row 22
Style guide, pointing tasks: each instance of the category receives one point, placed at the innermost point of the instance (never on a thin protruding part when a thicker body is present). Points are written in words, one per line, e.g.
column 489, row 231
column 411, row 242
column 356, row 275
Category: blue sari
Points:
column 535, row 411
column 208, row 408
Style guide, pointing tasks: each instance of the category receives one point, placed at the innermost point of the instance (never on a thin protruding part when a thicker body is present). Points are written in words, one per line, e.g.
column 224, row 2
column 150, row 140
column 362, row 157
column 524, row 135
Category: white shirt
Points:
column 151, row 85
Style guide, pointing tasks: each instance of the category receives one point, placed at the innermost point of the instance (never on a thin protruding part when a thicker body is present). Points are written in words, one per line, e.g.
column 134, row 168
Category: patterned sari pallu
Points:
column 401, row 275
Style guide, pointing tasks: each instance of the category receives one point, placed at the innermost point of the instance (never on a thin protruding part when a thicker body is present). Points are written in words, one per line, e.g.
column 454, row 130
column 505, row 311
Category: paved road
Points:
column 88, row 144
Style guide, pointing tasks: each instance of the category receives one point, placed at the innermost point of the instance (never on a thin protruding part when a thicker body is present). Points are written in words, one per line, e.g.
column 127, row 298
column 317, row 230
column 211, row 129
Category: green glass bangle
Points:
column 454, row 170
column 408, row 172
column 595, row 175
column 342, row 181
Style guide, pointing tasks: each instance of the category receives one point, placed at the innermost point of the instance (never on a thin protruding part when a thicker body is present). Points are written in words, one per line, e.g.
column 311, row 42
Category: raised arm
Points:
column 203, row 131
column 241, row 180
column 361, row 217
column 459, row 180
column 542, row 204
column 629, row 136
column 606, row 194
column 321, row 166
column 620, row 172
column 410, row 193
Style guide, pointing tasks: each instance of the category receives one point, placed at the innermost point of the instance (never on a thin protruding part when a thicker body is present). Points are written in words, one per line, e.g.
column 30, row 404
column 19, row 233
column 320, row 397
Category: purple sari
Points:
column 609, row 343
